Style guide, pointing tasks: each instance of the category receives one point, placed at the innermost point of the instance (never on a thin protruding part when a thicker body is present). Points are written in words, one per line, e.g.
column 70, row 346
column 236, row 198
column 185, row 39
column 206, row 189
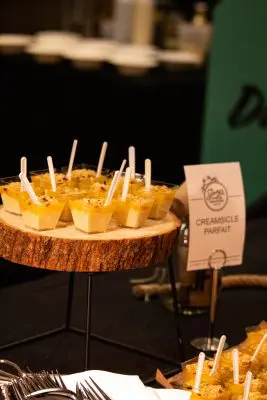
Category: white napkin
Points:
column 170, row 394
column 121, row 387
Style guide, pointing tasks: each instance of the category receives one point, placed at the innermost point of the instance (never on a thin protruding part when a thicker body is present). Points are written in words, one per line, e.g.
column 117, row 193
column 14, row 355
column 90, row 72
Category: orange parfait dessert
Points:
column 98, row 190
column 82, row 178
column 135, row 185
column 225, row 371
column 134, row 211
column 257, row 390
column 211, row 392
column 189, row 374
column 163, row 198
column 11, row 195
column 66, row 194
column 91, row 215
column 43, row 216
column 42, row 180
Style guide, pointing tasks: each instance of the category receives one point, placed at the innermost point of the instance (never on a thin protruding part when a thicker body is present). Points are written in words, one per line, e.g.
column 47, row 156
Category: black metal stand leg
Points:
column 176, row 310
column 89, row 335
column 70, row 298
column 88, row 322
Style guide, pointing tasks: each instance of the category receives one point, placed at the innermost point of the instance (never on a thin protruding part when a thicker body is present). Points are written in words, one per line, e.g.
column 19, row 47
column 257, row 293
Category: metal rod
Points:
column 213, row 303
column 90, row 17
column 177, row 314
column 70, row 298
column 66, row 7
column 88, row 321
column 33, row 338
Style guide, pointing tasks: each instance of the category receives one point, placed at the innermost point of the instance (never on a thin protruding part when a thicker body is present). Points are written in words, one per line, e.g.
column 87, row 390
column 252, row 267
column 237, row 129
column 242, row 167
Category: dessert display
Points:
column 91, row 241
column 238, row 371
column 83, row 196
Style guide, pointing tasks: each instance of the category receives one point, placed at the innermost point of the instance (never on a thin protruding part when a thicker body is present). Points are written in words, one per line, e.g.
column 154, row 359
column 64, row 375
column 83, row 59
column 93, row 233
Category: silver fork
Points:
column 40, row 384
column 53, row 392
column 89, row 390
column 24, row 391
column 6, row 377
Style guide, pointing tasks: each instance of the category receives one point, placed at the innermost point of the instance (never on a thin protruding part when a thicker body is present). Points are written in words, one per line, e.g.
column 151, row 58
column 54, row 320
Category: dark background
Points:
column 29, row 16
column 44, row 107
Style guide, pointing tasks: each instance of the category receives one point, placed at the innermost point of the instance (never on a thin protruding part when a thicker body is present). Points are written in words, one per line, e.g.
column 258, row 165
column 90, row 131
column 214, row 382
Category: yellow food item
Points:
column 211, row 392
column 42, row 216
column 223, row 387
column 82, row 173
column 11, row 196
column 225, row 371
column 42, row 180
column 91, row 215
column 252, row 396
column 98, row 190
column 257, row 396
column 235, row 389
column 65, row 195
column 133, row 212
column 163, row 198
column 189, row 373
column 82, row 178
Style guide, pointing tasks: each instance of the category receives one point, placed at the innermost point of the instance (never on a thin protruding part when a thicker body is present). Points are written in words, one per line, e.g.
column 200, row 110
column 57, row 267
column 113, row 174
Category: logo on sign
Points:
column 215, row 194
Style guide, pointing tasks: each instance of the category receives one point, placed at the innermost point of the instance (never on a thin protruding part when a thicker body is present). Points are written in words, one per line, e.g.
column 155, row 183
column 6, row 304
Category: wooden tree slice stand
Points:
column 67, row 249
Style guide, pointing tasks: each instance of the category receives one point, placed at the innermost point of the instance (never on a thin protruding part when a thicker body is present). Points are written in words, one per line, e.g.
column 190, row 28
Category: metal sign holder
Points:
column 210, row 343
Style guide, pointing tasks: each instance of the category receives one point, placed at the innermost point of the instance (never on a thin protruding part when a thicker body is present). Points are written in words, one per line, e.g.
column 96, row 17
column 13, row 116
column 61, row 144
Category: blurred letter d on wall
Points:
column 235, row 126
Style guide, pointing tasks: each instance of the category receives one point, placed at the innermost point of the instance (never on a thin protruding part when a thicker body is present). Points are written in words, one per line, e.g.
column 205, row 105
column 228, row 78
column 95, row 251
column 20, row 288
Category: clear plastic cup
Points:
column 41, row 179
column 83, row 175
column 65, row 195
column 163, row 195
column 91, row 215
column 44, row 216
column 11, row 194
column 134, row 211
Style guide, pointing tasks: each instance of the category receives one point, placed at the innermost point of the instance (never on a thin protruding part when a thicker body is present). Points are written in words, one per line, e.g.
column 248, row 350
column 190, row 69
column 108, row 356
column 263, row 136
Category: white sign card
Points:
column 217, row 215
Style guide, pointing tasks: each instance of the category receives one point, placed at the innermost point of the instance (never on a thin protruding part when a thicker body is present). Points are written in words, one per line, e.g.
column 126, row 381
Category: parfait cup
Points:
column 91, row 215
column 41, row 179
column 134, row 211
column 11, row 194
column 66, row 195
column 43, row 216
column 163, row 198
